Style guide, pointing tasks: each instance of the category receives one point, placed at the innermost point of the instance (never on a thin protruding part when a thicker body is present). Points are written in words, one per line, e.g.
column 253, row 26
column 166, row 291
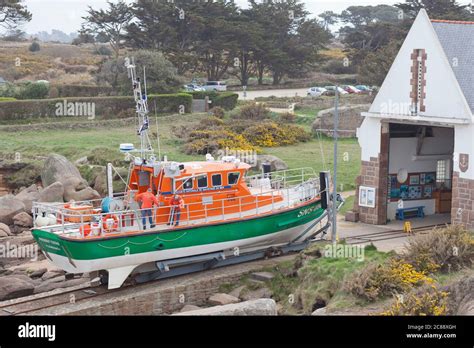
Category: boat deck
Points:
column 130, row 220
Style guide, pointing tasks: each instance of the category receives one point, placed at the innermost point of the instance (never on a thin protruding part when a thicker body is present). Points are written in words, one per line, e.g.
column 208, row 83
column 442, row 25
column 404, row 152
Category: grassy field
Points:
column 77, row 143
column 318, row 154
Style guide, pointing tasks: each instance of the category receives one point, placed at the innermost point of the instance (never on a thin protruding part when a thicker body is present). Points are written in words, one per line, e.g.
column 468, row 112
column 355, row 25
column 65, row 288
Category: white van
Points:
column 218, row 86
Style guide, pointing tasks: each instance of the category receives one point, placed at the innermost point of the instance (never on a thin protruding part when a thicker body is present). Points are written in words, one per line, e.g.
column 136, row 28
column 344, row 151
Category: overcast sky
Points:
column 66, row 15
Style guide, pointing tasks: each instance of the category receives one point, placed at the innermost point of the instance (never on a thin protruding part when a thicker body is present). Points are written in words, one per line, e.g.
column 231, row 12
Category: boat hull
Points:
column 86, row 255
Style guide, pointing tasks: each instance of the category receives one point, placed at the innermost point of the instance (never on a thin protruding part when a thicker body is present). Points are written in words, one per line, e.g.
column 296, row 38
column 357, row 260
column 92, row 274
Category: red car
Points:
column 352, row 90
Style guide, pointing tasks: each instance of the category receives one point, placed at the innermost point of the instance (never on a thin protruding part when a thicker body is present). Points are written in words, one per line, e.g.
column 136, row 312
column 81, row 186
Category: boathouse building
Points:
column 417, row 138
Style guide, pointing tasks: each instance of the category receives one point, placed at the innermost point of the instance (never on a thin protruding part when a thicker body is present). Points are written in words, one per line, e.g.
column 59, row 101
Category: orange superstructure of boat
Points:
column 207, row 188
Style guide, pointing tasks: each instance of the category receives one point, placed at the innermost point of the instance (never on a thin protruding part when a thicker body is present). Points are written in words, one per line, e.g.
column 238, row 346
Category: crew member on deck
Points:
column 177, row 204
column 148, row 199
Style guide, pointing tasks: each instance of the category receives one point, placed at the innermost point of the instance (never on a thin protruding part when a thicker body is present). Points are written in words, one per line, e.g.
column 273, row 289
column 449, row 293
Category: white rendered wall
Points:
column 368, row 135
column 464, row 144
column 444, row 98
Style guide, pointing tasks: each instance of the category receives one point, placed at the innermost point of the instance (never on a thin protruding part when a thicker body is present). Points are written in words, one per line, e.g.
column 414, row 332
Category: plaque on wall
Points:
column 463, row 162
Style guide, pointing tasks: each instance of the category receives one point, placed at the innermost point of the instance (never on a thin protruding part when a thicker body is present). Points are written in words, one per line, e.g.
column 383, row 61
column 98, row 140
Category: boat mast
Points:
column 141, row 100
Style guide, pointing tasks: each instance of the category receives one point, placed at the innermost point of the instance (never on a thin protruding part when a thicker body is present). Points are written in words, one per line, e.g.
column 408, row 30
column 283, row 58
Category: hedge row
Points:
column 2, row 99
column 102, row 107
column 225, row 100
column 63, row 91
column 171, row 103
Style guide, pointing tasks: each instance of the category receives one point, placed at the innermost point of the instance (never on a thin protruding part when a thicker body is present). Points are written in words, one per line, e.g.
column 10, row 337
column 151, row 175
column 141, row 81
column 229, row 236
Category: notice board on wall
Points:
column 416, row 186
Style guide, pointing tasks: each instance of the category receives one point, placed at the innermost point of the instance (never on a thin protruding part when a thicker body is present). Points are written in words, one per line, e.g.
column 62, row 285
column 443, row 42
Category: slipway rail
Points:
column 389, row 235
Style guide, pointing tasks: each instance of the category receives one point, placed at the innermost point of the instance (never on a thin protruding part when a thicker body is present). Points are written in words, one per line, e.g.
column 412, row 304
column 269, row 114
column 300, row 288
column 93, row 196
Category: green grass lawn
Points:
column 308, row 111
column 318, row 154
column 82, row 142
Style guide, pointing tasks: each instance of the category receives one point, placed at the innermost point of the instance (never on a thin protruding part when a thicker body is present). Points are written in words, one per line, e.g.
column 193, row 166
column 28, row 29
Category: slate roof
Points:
column 457, row 39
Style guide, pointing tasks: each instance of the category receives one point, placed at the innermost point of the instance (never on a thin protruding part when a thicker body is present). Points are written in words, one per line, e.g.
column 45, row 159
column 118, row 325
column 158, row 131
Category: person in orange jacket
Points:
column 148, row 199
column 177, row 204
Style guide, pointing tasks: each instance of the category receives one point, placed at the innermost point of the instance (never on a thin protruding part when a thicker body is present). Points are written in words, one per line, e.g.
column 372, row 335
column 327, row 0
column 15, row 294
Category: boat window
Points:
column 188, row 184
column 217, row 180
column 233, row 178
column 202, row 181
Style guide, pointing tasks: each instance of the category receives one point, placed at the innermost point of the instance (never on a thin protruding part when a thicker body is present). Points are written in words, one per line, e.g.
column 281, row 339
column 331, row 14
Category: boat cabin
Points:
column 207, row 188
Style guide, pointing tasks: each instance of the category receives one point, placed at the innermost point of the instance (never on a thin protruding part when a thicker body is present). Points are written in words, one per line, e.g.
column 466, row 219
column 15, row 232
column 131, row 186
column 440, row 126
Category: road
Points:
column 251, row 95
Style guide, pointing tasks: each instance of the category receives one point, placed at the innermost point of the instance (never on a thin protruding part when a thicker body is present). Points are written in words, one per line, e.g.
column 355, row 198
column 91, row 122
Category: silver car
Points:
column 316, row 91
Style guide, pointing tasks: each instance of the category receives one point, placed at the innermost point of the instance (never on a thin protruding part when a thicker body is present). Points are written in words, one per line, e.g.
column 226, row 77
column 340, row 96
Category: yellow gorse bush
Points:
column 406, row 274
column 271, row 134
column 392, row 277
column 431, row 302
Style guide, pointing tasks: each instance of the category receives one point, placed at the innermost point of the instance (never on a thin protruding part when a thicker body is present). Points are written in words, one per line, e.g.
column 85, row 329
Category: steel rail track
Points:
column 388, row 235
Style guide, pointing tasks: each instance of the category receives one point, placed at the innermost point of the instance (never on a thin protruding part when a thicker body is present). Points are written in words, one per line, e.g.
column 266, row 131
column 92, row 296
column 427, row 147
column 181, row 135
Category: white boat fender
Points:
column 52, row 220
column 41, row 221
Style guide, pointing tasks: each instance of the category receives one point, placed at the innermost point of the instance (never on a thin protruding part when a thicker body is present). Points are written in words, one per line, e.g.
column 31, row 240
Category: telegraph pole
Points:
column 334, row 194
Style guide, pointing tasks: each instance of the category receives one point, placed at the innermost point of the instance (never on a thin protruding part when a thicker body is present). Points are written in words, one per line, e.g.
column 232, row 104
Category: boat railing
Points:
column 283, row 178
column 82, row 219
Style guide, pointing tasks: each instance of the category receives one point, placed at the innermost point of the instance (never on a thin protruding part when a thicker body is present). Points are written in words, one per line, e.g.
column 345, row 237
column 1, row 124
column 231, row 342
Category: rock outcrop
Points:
column 9, row 207
column 77, row 189
column 52, row 193
column 350, row 119
column 23, row 220
column 255, row 307
column 13, row 287
column 222, row 299
column 28, row 196
column 276, row 164
column 4, row 230
column 58, row 169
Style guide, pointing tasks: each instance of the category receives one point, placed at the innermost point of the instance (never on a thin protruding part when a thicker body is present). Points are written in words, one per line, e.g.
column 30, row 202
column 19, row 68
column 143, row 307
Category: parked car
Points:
column 316, row 91
column 194, row 88
column 331, row 90
column 218, row 86
column 364, row 89
column 352, row 90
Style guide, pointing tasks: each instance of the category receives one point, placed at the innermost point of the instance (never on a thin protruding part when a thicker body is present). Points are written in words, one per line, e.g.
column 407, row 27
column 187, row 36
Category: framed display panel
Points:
column 367, row 196
column 417, row 186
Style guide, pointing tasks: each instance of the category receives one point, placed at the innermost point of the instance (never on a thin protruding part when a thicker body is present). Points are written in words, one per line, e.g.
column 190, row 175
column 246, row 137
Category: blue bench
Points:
column 418, row 210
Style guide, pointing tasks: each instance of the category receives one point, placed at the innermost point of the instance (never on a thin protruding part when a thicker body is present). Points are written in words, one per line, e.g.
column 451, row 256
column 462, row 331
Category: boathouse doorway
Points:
column 420, row 173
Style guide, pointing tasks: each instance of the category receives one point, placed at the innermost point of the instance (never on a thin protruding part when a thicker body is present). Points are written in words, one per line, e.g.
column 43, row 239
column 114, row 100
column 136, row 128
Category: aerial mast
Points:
column 141, row 100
